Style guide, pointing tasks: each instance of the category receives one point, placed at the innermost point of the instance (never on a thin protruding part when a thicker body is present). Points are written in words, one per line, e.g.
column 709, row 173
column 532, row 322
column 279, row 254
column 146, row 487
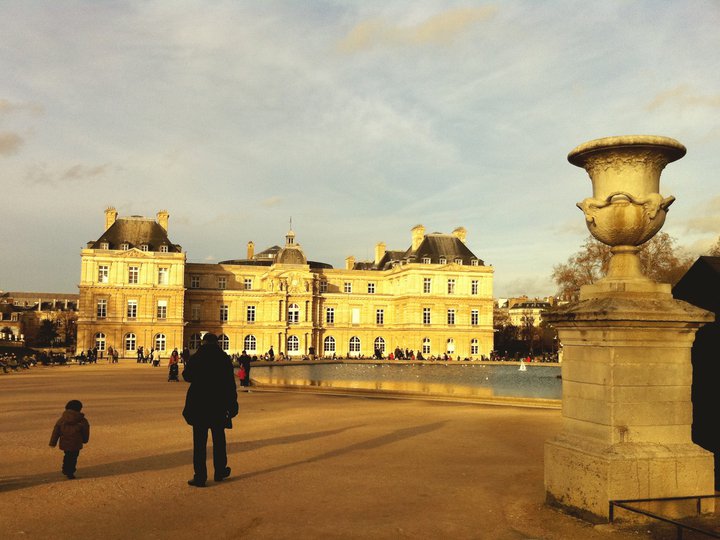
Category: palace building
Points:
column 137, row 289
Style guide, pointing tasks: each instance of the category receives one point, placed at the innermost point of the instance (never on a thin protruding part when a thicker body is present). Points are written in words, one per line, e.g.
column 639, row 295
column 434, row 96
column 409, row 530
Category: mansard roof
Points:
column 434, row 246
column 135, row 231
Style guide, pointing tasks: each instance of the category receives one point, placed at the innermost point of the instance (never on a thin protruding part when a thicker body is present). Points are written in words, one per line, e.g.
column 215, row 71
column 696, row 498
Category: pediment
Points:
column 135, row 253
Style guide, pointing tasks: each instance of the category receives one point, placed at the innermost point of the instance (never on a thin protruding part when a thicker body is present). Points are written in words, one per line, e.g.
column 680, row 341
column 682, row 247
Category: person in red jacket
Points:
column 72, row 430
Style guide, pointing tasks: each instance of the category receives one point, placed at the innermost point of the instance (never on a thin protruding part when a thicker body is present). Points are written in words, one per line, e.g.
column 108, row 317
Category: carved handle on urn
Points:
column 652, row 204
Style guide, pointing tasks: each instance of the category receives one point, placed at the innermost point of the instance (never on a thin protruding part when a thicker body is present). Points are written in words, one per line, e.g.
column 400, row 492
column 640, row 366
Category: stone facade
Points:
column 434, row 297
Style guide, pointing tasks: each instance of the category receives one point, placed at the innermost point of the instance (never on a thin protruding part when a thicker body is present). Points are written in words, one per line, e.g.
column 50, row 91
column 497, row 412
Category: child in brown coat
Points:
column 72, row 430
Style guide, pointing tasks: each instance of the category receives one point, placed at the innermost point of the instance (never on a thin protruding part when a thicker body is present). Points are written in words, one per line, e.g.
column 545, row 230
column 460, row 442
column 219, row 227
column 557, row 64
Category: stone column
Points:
column 627, row 375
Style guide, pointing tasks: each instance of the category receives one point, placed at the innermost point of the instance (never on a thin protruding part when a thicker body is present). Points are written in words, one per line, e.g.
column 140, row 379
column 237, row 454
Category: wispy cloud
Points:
column 43, row 174
column 683, row 96
column 10, row 143
column 440, row 28
column 7, row 106
column 271, row 201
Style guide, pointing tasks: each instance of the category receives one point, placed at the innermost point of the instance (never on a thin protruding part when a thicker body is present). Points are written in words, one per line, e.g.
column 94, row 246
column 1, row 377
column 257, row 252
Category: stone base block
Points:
column 582, row 476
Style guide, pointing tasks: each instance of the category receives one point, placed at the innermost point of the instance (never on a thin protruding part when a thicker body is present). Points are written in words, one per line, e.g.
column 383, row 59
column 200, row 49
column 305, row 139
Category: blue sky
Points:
column 358, row 119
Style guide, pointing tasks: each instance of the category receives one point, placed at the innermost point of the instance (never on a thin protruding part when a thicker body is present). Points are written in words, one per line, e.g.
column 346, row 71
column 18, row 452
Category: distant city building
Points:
column 21, row 314
column 137, row 289
column 528, row 313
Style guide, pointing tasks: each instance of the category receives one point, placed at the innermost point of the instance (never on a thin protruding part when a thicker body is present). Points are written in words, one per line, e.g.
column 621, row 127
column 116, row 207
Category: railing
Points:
column 624, row 504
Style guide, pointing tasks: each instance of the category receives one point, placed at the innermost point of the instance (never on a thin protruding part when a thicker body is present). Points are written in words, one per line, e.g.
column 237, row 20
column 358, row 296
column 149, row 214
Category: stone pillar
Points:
column 627, row 375
column 626, row 409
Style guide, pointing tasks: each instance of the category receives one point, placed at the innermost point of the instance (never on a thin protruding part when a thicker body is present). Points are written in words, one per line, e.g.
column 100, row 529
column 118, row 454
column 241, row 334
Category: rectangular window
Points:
column 323, row 286
column 103, row 273
column 163, row 249
column 133, row 274
column 426, row 315
column 474, row 317
column 194, row 282
column 125, row 246
column 101, row 309
column 474, row 348
column 250, row 314
column 474, row 286
column 162, row 309
column 355, row 315
column 371, row 288
column 104, row 245
column 451, row 286
column 442, row 260
column 347, row 287
column 144, row 247
column 474, row 262
column 222, row 282
column 224, row 311
column 330, row 315
column 458, row 261
column 379, row 316
column 248, row 284
column 426, row 260
column 427, row 285
column 163, row 273
column 132, row 309
column 195, row 312
column 451, row 316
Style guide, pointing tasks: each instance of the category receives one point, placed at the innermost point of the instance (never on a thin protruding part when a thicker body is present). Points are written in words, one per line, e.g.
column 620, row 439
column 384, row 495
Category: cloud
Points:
column 707, row 219
column 10, row 143
column 271, row 201
column 41, row 174
column 683, row 97
column 7, row 106
column 440, row 28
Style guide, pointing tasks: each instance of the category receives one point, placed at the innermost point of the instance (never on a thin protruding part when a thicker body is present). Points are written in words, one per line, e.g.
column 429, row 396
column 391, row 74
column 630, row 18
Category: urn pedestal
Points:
column 627, row 375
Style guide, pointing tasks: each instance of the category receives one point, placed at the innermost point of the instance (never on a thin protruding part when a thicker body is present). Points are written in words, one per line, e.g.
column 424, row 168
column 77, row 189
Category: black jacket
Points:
column 212, row 396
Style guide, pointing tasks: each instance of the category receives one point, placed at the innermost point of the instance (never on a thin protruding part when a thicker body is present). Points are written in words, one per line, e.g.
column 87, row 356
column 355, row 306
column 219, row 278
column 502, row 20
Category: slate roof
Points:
column 434, row 246
column 136, row 231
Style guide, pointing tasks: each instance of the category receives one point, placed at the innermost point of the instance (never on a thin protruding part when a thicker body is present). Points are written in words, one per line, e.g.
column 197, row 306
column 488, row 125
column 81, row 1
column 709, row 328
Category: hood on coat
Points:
column 72, row 417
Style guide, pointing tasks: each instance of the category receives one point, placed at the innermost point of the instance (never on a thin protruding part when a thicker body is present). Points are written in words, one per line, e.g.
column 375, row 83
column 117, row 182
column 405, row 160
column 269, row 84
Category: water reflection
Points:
column 459, row 380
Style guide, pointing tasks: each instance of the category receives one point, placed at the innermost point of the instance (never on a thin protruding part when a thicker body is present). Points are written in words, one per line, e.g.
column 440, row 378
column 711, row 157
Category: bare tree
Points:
column 661, row 260
column 715, row 250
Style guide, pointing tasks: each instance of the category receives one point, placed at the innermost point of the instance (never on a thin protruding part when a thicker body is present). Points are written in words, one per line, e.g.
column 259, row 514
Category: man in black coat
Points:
column 210, row 403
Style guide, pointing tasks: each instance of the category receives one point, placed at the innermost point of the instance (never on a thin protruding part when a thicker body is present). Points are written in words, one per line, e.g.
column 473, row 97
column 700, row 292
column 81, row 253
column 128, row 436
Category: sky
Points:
column 358, row 120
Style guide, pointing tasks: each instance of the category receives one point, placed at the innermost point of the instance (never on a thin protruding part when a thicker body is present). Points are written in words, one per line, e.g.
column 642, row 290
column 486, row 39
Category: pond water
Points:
column 463, row 380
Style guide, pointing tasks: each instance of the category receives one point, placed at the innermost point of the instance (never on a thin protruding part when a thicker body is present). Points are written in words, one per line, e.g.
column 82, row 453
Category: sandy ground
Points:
column 303, row 466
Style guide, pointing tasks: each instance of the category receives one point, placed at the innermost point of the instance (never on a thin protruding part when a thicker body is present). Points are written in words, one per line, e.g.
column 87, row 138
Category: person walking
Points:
column 210, row 404
column 72, row 430
column 245, row 363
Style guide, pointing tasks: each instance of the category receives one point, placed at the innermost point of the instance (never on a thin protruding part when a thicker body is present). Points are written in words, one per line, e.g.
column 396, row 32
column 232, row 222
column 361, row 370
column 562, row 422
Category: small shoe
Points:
column 196, row 482
column 70, row 476
column 223, row 476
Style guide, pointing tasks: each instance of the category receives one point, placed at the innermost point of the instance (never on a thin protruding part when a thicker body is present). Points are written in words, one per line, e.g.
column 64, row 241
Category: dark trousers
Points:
column 70, row 462
column 200, row 436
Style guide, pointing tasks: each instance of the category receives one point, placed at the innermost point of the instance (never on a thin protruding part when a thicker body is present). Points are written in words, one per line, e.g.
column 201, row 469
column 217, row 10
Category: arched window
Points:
column 130, row 342
column 160, row 341
column 354, row 346
column 195, row 341
column 100, row 341
column 250, row 344
column 426, row 346
column 293, row 314
column 450, row 345
column 224, row 342
column 474, row 348
column 329, row 345
column 293, row 344
column 379, row 344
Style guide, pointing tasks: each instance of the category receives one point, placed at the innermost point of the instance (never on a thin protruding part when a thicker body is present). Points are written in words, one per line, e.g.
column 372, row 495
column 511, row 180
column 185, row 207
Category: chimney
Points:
column 162, row 219
column 349, row 262
column 110, row 216
column 460, row 233
column 418, row 233
column 379, row 252
column 251, row 249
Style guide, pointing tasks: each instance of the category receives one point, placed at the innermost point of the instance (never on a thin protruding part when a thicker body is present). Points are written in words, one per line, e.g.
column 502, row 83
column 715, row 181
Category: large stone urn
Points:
column 626, row 370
